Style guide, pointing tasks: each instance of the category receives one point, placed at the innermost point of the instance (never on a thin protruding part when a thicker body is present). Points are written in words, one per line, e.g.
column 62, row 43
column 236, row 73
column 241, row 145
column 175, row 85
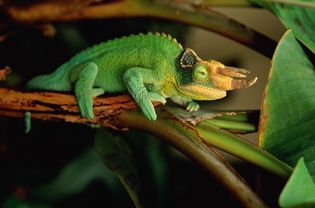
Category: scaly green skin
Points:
column 150, row 67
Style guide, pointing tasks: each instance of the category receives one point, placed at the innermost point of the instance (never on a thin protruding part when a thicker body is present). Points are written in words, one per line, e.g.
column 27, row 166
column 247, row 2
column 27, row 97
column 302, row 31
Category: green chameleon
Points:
column 151, row 67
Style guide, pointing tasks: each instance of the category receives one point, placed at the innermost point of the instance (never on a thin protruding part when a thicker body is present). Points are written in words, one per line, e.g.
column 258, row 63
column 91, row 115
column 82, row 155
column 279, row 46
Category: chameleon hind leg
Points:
column 135, row 78
column 84, row 91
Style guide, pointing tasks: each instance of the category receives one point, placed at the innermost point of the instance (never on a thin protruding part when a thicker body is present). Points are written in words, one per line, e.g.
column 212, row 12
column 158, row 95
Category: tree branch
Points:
column 63, row 107
column 197, row 14
column 117, row 112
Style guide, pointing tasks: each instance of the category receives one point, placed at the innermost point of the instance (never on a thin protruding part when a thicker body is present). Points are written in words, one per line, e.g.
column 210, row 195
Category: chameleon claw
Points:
column 148, row 110
column 192, row 106
column 152, row 96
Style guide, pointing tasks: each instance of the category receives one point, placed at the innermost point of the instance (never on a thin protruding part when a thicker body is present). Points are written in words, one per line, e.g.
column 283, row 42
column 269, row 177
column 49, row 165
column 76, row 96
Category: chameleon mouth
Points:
column 200, row 92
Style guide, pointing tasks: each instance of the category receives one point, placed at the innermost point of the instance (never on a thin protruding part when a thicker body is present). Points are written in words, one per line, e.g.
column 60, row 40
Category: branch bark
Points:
column 63, row 107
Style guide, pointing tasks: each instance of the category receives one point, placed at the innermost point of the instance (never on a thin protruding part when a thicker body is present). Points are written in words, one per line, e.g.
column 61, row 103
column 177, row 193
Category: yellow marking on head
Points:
column 199, row 92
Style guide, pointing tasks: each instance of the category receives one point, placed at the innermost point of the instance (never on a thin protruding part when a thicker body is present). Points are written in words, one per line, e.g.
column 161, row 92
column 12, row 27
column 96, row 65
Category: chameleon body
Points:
column 151, row 67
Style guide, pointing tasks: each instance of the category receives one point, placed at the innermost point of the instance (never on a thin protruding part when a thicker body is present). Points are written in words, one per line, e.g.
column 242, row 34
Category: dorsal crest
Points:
column 189, row 59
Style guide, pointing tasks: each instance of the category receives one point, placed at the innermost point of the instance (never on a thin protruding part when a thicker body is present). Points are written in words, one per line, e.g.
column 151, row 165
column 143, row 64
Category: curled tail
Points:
column 56, row 81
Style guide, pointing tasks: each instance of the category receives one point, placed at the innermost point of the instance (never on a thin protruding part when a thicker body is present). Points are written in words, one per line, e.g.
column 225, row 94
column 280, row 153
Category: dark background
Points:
column 169, row 179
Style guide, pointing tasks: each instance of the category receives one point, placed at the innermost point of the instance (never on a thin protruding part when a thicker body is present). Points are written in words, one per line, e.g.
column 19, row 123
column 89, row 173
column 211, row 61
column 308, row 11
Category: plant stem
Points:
column 232, row 125
column 111, row 112
column 198, row 14
column 187, row 143
column 201, row 17
column 230, row 143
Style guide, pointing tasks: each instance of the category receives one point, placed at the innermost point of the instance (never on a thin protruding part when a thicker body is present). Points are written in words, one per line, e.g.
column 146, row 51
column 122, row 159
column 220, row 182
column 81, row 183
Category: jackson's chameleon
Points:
column 151, row 67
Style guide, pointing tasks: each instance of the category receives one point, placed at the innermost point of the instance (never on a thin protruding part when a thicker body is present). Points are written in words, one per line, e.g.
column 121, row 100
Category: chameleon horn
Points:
column 232, row 71
column 239, row 83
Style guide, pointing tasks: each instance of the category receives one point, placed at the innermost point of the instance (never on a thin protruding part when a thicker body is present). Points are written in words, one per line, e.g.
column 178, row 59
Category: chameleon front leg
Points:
column 84, row 78
column 134, row 79
column 188, row 103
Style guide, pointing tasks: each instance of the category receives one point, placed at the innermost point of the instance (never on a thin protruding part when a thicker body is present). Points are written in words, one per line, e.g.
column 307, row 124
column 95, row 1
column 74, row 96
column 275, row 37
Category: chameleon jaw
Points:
column 200, row 92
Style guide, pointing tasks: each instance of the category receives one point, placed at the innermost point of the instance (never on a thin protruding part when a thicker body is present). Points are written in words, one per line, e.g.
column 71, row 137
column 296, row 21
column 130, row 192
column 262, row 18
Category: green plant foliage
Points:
column 300, row 188
column 297, row 15
column 287, row 118
column 76, row 176
column 117, row 156
column 157, row 163
column 234, row 145
column 215, row 129
column 217, row 134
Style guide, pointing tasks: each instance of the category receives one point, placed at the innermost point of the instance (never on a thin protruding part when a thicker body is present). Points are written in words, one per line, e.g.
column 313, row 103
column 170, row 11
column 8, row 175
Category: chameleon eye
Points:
column 200, row 73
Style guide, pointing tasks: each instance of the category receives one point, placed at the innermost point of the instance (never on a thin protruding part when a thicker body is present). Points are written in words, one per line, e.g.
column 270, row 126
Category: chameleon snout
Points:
column 228, row 78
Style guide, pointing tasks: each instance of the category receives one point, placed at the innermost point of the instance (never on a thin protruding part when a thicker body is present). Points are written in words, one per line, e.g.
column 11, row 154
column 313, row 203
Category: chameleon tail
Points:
column 57, row 81
column 27, row 118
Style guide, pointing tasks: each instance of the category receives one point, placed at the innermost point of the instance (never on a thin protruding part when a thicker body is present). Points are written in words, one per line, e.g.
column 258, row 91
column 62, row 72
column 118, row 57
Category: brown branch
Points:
column 195, row 14
column 108, row 112
column 117, row 112
column 63, row 107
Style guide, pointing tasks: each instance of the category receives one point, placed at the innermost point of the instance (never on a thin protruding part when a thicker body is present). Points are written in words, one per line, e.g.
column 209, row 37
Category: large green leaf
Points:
column 297, row 15
column 116, row 155
column 215, row 129
column 76, row 176
column 299, row 190
column 288, row 111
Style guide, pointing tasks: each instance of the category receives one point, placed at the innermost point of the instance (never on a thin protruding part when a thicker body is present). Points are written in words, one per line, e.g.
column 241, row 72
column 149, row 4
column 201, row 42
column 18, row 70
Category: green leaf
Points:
column 288, row 111
column 13, row 202
column 211, row 128
column 76, row 176
column 237, row 121
column 116, row 155
column 300, row 188
column 299, row 16
column 238, row 147
column 185, row 138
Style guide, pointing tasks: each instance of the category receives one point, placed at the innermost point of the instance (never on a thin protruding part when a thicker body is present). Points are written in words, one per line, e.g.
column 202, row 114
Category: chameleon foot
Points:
column 85, row 104
column 147, row 107
column 153, row 96
column 192, row 106
column 85, row 101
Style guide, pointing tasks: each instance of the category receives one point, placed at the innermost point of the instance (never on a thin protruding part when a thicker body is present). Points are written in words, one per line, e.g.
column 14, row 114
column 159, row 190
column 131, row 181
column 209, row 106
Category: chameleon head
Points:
column 209, row 80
